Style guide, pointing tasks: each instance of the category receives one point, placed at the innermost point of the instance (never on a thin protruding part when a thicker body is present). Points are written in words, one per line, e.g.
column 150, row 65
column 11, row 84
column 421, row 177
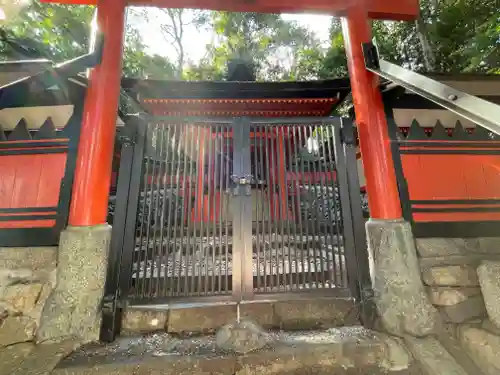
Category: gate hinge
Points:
column 127, row 135
column 110, row 303
column 348, row 135
column 367, row 294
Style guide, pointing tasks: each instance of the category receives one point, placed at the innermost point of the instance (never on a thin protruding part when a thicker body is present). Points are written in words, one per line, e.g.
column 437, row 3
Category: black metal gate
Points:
column 236, row 209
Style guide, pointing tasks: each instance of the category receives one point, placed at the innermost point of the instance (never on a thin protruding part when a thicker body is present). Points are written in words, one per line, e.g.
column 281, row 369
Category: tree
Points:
column 61, row 32
column 137, row 63
column 265, row 40
column 53, row 31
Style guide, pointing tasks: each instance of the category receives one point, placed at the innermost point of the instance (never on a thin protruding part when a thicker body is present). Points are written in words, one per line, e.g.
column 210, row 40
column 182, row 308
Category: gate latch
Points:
column 242, row 183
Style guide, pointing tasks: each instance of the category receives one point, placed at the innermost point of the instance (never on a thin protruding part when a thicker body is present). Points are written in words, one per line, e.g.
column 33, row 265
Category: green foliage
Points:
column 266, row 40
column 450, row 36
column 56, row 32
column 61, row 32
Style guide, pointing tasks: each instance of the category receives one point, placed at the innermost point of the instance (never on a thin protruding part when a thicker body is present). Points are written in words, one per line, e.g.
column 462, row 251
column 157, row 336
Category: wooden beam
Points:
column 377, row 9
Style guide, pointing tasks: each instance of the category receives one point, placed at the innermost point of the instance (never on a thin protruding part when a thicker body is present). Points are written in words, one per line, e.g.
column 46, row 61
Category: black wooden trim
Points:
column 404, row 196
column 59, row 150
column 23, row 237
column 72, row 131
column 429, row 143
column 26, row 210
column 456, row 201
column 450, row 152
column 32, row 144
column 454, row 209
column 28, row 217
column 468, row 229
column 414, row 101
column 140, row 89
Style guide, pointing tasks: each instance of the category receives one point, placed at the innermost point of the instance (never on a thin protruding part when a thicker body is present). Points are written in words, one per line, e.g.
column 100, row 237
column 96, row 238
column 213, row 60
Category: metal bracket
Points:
column 242, row 181
column 370, row 53
column 479, row 111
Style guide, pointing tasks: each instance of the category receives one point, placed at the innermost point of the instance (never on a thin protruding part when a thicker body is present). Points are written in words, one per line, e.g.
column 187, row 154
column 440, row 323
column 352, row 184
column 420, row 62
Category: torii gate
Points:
column 93, row 172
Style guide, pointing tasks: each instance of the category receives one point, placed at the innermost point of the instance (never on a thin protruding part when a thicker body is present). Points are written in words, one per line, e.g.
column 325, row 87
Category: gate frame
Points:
column 119, row 269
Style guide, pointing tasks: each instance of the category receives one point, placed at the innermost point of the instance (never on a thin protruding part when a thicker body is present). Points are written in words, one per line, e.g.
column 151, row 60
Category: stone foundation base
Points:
column 319, row 313
column 400, row 296
column 73, row 309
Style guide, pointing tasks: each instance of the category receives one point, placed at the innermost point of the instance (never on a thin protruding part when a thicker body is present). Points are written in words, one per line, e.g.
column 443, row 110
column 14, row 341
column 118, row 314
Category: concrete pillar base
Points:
column 74, row 307
column 400, row 297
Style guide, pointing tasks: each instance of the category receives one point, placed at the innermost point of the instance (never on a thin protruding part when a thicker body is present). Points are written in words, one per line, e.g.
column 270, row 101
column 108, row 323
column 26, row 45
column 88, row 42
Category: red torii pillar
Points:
column 383, row 196
column 89, row 205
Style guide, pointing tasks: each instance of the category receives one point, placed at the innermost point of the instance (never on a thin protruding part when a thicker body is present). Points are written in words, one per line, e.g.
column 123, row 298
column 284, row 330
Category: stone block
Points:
column 312, row 314
column 489, row 278
column 73, row 309
column 488, row 245
column 260, row 313
column 482, row 346
column 16, row 329
column 36, row 312
column 34, row 258
column 144, row 321
column 489, row 326
column 196, row 320
column 434, row 359
column 396, row 356
column 22, row 298
column 438, row 247
column 469, row 309
column 241, row 337
column 458, row 275
column 448, row 296
column 13, row 356
column 44, row 358
column 400, row 296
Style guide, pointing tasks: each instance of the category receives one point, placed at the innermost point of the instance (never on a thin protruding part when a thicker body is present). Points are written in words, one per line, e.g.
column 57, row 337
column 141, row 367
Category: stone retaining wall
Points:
column 462, row 277
column 27, row 276
column 449, row 272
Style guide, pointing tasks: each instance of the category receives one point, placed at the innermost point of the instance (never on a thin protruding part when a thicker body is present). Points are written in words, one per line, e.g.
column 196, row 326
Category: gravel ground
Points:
column 164, row 344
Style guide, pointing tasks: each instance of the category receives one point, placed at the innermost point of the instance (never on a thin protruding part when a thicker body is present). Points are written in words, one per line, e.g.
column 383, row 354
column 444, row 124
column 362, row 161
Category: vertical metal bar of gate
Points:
column 347, row 219
column 242, row 212
column 363, row 277
column 119, row 272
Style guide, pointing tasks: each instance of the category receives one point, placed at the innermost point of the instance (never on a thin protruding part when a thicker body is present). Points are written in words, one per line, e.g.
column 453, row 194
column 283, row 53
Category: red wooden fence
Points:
column 449, row 180
column 36, row 169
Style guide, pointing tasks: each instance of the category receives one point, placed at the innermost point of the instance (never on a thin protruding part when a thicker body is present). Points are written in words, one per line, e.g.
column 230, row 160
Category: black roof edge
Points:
column 24, row 66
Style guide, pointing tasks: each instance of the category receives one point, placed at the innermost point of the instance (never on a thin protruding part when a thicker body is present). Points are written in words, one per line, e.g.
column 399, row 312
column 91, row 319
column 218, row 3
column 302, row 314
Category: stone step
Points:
column 352, row 350
column 288, row 315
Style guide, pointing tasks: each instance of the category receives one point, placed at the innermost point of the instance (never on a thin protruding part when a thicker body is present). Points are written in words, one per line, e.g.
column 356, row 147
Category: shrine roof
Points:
column 230, row 98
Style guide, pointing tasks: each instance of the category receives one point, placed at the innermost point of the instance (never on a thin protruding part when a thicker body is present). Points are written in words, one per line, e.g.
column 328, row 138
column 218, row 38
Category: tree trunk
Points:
column 428, row 54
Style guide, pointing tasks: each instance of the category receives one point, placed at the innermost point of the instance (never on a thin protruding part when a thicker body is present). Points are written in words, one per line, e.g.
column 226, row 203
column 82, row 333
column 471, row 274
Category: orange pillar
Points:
column 89, row 203
column 383, row 196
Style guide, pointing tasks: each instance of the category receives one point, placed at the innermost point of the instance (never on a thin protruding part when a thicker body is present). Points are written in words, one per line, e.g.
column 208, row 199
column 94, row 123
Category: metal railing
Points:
column 477, row 110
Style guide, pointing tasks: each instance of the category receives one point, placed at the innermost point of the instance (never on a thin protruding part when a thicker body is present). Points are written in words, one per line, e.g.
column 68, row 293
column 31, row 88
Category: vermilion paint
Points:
column 95, row 150
column 380, row 9
column 383, row 195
